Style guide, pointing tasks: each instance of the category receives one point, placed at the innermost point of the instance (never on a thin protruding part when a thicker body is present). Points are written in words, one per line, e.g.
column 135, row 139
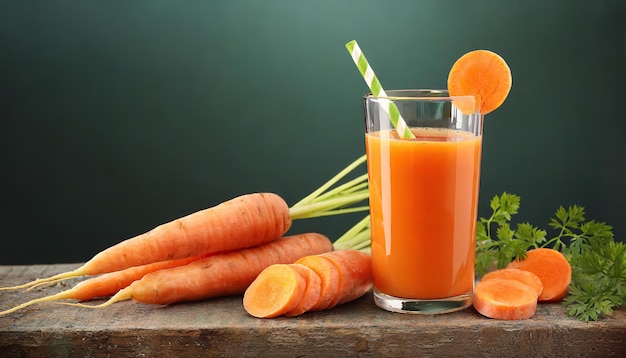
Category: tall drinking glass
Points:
column 423, row 200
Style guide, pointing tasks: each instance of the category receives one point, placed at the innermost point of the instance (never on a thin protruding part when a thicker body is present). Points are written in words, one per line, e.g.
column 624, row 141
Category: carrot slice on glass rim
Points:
column 484, row 75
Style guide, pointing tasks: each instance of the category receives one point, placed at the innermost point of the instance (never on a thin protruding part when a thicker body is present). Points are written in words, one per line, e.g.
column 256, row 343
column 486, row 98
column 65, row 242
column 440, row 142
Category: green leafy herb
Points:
column 598, row 283
column 507, row 244
column 598, row 263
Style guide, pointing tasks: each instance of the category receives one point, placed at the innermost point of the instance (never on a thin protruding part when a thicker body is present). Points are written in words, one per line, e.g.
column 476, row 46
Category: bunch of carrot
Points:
column 214, row 252
column 513, row 292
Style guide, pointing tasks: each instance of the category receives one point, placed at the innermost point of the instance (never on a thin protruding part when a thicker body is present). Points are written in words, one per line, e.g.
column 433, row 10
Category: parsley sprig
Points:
column 495, row 252
column 598, row 262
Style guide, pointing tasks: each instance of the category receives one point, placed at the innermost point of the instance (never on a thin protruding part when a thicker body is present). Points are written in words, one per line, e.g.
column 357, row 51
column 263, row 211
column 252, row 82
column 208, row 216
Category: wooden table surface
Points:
column 221, row 327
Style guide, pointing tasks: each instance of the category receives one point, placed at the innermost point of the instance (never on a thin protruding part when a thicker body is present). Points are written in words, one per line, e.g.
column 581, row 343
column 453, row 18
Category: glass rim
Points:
column 417, row 94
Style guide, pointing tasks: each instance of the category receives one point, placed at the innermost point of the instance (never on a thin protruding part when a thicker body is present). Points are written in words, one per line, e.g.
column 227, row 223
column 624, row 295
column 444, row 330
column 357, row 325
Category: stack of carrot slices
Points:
column 513, row 292
column 312, row 283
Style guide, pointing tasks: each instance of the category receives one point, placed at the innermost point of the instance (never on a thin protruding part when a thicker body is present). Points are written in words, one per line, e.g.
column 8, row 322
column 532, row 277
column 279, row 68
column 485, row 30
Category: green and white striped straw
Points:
column 377, row 89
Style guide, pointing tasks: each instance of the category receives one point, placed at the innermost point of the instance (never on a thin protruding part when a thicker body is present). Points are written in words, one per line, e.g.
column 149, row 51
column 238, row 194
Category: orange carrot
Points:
column 526, row 277
column 311, row 293
column 244, row 221
column 107, row 284
column 219, row 275
column 329, row 275
column 355, row 274
column 551, row 267
column 506, row 299
column 274, row 291
column 482, row 74
column 277, row 290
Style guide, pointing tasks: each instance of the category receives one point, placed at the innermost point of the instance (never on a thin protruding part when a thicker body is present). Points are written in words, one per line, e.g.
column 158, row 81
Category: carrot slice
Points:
column 329, row 275
column 355, row 274
column 277, row 290
column 482, row 74
column 551, row 267
column 505, row 299
column 558, row 296
column 312, row 290
column 526, row 277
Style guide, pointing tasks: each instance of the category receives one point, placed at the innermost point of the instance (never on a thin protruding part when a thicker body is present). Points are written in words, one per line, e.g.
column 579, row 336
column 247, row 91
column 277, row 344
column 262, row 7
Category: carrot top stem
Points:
column 319, row 191
column 326, row 207
column 328, row 200
column 356, row 238
column 349, row 187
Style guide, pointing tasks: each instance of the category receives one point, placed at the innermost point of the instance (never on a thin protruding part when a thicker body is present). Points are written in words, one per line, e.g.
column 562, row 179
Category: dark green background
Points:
column 117, row 116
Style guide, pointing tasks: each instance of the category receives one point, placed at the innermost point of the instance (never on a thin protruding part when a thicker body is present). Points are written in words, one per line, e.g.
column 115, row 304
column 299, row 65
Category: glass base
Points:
column 418, row 306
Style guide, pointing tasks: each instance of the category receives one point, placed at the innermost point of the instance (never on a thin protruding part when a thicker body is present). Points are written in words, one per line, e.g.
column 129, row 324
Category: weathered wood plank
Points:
column 220, row 327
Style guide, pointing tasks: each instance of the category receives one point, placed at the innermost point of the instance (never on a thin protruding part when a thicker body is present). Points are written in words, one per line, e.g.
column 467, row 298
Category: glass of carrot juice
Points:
column 423, row 200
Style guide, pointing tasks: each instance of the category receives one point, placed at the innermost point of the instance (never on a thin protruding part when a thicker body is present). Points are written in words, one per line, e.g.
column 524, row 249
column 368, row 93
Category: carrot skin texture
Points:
column 110, row 283
column 245, row 221
column 329, row 275
column 241, row 222
column 505, row 299
column 224, row 274
column 355, row 274
column 553, row 270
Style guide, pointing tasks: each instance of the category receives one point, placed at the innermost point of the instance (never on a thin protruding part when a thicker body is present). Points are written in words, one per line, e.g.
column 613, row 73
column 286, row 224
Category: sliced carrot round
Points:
column 329, row 274
column 526, row 277
column 482, row 74
column 355, row 274
column 277, row 290
column 505, row 299
column 312, row 290
column 551, row 267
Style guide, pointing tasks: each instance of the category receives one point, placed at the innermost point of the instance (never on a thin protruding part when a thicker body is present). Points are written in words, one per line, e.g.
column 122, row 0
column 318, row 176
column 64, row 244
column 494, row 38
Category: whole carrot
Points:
column 107, row 284
column 219, row 275
column 244, row 221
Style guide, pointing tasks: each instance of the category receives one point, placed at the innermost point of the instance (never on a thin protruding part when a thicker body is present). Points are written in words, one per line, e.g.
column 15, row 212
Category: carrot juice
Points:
column 423, row 206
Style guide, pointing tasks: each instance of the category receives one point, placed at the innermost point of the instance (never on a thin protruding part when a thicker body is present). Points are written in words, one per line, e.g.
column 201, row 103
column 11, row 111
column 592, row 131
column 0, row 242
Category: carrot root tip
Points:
column 52, row 279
